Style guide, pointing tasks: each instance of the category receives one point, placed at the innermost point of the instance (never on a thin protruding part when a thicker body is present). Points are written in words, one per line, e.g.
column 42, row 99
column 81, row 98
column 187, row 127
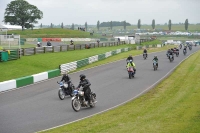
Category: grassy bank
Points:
column 52, row 33
column 171, row 107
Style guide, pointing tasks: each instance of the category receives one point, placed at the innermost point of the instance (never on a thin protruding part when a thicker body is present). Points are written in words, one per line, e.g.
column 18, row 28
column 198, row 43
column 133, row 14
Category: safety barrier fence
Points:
column 47, row 49
column 23, row 81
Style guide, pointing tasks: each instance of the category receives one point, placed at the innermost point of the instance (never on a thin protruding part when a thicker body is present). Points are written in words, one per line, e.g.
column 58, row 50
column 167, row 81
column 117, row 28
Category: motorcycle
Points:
column 144, row 55
column 155, row 65
column 177, row 53
column 65, row 90
column 131, row 72
column 190, row 47
column 167, row 54
column 171, row 58
column 184, row 51
column 78, row 100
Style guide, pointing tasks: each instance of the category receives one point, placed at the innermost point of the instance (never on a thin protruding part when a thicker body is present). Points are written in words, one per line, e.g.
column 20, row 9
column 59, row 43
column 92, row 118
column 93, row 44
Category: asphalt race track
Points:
column 38, row 107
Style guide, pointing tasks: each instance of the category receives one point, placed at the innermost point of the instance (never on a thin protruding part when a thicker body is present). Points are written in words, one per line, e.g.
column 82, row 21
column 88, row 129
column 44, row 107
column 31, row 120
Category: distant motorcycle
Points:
column 78, row 100
column 155, row 67
column 171, row 58
column 65, row 90
column 184, row 51
column 190, row 47
column 131, row 72
column 144, row 56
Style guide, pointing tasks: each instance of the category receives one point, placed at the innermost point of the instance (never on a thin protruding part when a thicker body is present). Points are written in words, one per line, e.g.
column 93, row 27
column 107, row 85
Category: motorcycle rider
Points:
column 145, row 52
column 85, row 83
column 129, row 58
column 168, row 51
column 67, row 80
column 185, row 48
column 131, row 63
column 48, row 43
column 156, row 59
column 171, row 52
column 177, row 51
column 180, row 46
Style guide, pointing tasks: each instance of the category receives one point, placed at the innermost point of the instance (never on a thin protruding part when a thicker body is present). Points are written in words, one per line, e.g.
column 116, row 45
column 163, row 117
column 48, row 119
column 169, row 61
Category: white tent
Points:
column 10, row 27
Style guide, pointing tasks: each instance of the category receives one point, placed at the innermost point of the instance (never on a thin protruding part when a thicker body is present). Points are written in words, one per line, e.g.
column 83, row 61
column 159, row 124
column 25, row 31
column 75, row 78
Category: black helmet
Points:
column 82, row 76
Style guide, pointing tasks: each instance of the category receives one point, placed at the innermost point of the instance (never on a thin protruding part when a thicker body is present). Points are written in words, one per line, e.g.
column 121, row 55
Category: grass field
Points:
column 52, row 33
column 171, row 107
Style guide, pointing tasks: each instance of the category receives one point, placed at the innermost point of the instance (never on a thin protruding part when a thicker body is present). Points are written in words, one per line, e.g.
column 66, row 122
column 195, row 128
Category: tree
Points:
column 72, row 26
column 139, row 24
column 111, row 25
column 51, row 25
column 124, row 25
column 41, row 25
column 62, row 25
column 85, row 26
column 98, row 25
column 170, row 24
column 20, row 12
column 153, row 24
column 186, row 24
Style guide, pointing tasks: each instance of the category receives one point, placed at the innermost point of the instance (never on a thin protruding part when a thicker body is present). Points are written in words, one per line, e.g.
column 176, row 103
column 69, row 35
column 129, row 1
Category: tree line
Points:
column 20, row 12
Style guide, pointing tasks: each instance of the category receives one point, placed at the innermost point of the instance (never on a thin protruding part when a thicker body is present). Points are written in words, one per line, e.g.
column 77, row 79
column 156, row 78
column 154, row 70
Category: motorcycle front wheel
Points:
column 76, row 105
column 61, row 94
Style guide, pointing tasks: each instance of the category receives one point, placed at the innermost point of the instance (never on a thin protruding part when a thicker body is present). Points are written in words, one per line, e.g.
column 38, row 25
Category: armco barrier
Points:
column 7, row 85
column 40, row 76
column 53, row 73
column 24, row 81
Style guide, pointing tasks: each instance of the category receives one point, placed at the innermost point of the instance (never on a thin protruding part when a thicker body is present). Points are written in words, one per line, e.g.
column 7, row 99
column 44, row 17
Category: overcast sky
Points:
column 90, row 11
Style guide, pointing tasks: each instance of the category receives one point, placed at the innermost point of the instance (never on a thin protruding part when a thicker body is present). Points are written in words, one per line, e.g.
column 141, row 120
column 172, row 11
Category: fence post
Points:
column 24, row 51
column 60, row 48
column 80, row 46
column 35, row 50
column 74, row 47
column 53, row 49
column 44, row 49
column 67, row 47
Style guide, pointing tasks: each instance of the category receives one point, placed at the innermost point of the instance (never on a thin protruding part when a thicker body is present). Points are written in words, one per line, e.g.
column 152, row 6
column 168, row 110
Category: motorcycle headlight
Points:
column 81, row 93
column 65, row 85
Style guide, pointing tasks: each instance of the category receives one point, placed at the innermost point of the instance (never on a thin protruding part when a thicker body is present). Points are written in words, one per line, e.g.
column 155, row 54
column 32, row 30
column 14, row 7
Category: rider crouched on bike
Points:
column 66, row 79
column 156, row 59
column 171, row 52
column 131, row 64
column 185, row 48
column 85, row 83
column 145, row 52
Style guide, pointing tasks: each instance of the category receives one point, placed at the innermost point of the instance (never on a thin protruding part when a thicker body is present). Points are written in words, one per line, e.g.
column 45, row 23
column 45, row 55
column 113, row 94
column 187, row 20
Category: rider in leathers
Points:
column 145, row 52
column 171, row 52
column 85, row 83
column 66, row 79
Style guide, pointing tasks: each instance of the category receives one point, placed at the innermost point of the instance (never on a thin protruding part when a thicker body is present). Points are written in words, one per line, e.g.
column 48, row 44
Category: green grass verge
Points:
column 171, row 107
column 52, row 33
